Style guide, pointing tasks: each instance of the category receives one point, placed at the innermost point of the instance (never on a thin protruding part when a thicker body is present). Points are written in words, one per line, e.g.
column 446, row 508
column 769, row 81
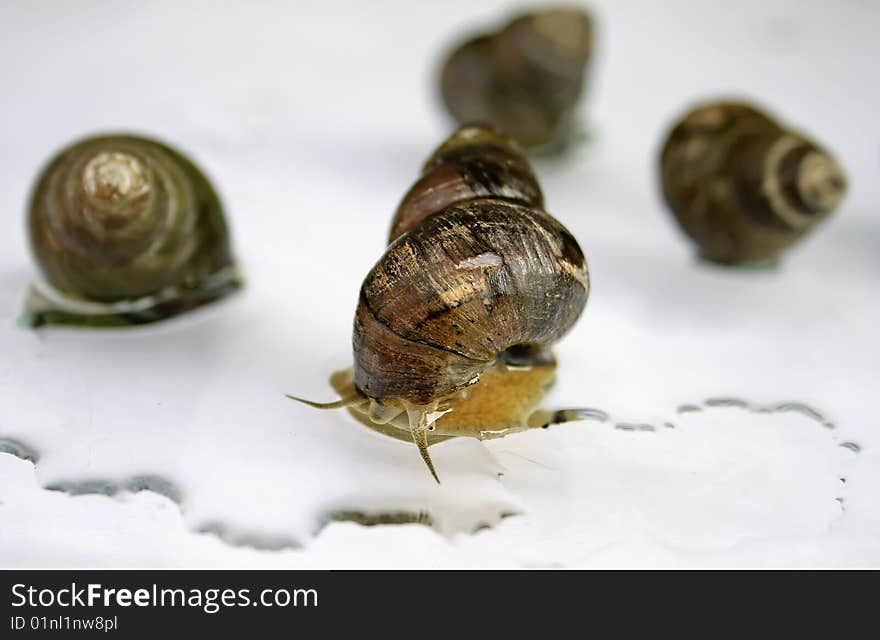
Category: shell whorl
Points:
column 475, row 161
column 545, row 51
column 476, row 277
column 526, row 78
column 743, row 186
column 121, row 217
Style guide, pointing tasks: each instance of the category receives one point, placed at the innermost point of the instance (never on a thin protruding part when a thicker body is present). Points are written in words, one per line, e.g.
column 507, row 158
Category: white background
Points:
column 313, row 119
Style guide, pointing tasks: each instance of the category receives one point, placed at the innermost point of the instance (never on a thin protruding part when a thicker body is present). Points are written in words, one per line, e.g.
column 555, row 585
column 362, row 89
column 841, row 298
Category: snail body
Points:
column 454, row 323
column 744, row 187
column 525, row 79
column 125, row 229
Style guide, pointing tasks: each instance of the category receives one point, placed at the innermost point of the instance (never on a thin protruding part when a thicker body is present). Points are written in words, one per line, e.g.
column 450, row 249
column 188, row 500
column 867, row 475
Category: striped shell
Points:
column 744, row 187
column 121, row 218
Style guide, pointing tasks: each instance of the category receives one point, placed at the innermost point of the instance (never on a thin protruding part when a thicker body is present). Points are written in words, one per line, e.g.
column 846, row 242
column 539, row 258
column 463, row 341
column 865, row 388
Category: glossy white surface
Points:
column 313, row 121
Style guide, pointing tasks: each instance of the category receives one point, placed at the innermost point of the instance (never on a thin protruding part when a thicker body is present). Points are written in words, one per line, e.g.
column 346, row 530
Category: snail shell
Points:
column 744, row 187
column 478, row 280
column 457, row 291
column 121, row 222
column 525, row 79
column 474, row 162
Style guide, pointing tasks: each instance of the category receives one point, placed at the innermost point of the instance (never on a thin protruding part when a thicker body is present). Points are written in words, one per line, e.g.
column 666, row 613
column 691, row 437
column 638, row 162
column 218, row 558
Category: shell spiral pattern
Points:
column 116, row 220
column 744, row 187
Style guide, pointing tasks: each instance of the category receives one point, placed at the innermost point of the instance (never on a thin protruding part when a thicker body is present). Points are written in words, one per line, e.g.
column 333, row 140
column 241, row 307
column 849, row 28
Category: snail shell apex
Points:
column 742, row 186
column 120, row 218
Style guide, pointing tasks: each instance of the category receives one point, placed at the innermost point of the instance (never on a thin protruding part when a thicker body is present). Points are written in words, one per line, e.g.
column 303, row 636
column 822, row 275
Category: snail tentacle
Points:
column 336, row 404
column 418, row 427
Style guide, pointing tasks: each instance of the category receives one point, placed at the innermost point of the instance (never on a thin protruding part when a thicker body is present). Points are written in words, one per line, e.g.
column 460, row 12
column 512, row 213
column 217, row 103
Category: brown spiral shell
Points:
column 476, row 271
column 744, row 187
column 525, row 79
column 119, row 218
column 473, row 162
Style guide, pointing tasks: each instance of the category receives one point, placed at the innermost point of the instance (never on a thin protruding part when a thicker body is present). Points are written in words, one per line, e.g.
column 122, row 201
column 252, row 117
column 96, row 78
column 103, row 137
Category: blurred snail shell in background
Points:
column 125, row 230
column 455, row 321
column 743, row 186
column 525, row 79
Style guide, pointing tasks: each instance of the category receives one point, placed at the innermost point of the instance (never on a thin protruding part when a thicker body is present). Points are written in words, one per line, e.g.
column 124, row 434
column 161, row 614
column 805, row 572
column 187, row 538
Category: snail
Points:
column 525, row 79
column 743, row 186
column 454, row 323
column 125, row 230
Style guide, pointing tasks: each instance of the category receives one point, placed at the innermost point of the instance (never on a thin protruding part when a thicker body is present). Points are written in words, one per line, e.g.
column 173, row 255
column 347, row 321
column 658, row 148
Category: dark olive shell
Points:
column 468, row 283
column 526, row 78
column 744, row 187
column 116, row 218
column 474, row 162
